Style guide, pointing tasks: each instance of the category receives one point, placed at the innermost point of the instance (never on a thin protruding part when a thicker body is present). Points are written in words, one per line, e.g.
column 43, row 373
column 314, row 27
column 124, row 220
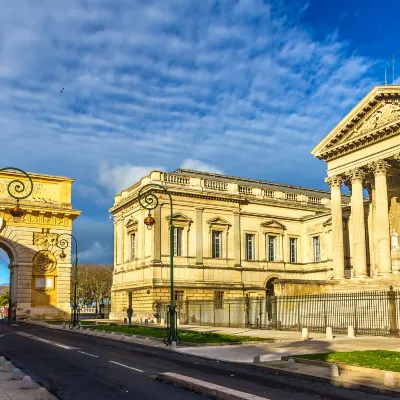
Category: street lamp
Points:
column 149, row 201
column 63, row 244
column 19, row 188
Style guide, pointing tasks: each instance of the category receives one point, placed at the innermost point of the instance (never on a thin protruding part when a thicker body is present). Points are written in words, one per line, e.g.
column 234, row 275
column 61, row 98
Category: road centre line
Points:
column 126, row 366
column 88, row 354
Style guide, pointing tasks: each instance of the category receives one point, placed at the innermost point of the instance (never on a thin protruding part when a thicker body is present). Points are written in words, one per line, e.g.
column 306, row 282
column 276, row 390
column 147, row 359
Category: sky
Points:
column 242, row 87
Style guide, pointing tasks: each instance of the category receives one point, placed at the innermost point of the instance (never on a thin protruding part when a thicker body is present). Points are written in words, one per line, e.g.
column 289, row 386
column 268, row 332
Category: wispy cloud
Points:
column 233, row 86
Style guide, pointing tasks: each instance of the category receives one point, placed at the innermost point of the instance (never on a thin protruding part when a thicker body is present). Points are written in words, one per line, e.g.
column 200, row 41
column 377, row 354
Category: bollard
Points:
column 388, row 379
column 133, row 337
column 256, row 359
column 42, row 394
column 64, row 325
column 2, row 360
column 112, row 334
column 334, row 371
column 26, row 382
column 304, row 334
column 291, row 364
column 350, row 332
column 173, row 345
column 8, row 367
column 16, row 374
column 329, row 333
column 147, row 338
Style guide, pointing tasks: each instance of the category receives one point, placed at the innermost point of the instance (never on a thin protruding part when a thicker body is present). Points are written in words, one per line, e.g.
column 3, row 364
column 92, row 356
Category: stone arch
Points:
column 12, row 254
column 269, row 286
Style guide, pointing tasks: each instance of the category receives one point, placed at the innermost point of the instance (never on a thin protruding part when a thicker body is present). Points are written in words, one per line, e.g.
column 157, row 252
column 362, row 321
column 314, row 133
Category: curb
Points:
column 206, row 388
column 344, row 367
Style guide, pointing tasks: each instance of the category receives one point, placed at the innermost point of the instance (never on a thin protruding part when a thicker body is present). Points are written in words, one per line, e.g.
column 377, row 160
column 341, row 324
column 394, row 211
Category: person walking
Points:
column 129, row 312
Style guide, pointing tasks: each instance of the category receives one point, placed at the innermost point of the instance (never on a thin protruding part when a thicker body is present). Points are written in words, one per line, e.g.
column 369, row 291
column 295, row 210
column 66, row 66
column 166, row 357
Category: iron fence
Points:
column 370, row 313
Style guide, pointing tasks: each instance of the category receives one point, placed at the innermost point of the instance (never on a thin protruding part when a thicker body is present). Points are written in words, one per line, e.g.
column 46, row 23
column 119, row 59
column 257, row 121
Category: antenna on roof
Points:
column 392, row 69
column 385, row 77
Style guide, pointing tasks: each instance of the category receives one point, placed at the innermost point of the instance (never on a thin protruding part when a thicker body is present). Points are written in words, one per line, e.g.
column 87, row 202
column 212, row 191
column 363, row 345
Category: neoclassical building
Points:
column 235, row 236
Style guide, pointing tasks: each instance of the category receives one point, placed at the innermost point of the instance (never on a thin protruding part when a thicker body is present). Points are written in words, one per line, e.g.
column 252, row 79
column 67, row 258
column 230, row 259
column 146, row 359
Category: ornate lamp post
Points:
column 19, row 188
column 63, row 244
column 149, row 201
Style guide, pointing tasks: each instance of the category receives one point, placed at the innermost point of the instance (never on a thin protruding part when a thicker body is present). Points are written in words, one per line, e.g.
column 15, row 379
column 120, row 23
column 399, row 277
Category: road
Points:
column 74, row 366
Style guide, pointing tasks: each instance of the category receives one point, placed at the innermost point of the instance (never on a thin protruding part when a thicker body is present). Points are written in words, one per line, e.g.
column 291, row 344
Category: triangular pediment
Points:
column 131, row 222
column 273, row 224
column 218, row 221
column 180, row 217
column 375, row 118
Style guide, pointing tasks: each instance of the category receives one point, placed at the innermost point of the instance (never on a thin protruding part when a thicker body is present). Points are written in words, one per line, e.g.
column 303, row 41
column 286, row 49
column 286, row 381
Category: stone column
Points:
column 199, row 236
column 335, row 183
column 371, row 229
column 384, row 261
column 356, row 177
column 237, row 241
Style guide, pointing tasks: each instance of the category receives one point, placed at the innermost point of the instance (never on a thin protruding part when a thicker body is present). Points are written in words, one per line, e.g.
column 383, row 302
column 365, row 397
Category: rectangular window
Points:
column 316, row 248
column 216, row 244
column 179, row 296
column 178, row 241
column 250, row 239
column 293, row 250
column 133, row 243
column 218, row 298
column 272, row 253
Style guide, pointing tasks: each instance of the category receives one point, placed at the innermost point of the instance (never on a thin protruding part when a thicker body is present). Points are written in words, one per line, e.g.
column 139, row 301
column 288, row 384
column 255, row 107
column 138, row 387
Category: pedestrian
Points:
column 129, row 312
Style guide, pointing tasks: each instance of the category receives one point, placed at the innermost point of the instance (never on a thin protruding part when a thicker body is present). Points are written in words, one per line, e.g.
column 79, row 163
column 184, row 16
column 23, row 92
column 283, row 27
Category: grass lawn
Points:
column 59, row 322
column 379, row 359
column 186, row 336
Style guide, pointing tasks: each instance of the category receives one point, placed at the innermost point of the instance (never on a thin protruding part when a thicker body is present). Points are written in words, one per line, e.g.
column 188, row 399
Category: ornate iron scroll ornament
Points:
column 17, row 185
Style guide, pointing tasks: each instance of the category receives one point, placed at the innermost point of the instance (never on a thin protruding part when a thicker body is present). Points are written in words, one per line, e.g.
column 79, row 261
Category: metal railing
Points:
column 372, row 313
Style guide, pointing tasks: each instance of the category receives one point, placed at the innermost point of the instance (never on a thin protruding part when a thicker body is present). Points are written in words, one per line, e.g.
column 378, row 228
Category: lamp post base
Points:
column 172, row 327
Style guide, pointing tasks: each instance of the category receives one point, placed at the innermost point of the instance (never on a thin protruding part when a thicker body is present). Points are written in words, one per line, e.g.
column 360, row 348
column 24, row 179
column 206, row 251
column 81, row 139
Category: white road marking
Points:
column 39, row 339
column 126, row 366
column 88, row 354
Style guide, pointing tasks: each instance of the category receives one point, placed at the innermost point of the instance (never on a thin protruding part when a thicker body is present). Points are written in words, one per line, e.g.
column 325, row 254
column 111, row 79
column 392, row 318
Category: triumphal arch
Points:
column 39, row 278
column 363, row 153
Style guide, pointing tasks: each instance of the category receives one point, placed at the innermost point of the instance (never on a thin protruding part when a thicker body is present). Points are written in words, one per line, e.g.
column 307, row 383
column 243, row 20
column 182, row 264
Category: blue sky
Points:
column 244, row 87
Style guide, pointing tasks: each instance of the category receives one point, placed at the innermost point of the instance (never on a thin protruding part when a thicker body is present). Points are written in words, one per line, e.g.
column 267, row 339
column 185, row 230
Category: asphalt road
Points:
column 74, row 366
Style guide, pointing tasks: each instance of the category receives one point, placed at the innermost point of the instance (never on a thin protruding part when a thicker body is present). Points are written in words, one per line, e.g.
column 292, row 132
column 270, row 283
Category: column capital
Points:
column 397, row 157
column 379, row 167
column 334, row 181
column 356, row 175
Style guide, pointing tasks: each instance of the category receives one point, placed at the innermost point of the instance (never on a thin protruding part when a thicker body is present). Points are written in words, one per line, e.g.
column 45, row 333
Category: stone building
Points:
column 39, row 278
column 235, row 236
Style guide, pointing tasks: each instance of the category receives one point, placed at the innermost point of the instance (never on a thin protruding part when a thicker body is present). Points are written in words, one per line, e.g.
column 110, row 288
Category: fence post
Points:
column 229, row 317
column 394, row 331
column 247, row 311
column 274, row 307
column 260, row 313
column 200, row 314
column 187, row 312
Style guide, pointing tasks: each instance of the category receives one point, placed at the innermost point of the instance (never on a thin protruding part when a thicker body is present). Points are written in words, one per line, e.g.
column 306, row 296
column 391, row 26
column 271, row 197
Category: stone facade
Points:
column 39, row 279
column 234, row 236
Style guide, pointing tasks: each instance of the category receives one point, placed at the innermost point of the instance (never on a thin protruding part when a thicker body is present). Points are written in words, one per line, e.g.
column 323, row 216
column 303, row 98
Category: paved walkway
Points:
column 274, row 351
column 12, row 390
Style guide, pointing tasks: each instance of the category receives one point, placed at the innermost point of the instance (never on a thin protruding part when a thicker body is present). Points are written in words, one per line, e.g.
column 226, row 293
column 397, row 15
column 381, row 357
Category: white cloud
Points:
column 200, row 166
column 120, row 177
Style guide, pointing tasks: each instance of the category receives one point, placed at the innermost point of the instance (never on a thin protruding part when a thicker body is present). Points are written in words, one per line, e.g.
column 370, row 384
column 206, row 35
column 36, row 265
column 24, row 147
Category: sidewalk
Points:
column 12, row 389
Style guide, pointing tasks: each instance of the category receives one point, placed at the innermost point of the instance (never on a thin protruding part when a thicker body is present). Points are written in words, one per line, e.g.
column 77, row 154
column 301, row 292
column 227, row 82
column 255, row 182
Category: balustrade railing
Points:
column 216, row 185
column 177, row 179
column 245, row 190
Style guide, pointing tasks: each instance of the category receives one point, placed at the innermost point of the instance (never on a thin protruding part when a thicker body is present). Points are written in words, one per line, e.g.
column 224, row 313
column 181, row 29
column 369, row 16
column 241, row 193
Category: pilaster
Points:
column 237, row 241
column 199, row 236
